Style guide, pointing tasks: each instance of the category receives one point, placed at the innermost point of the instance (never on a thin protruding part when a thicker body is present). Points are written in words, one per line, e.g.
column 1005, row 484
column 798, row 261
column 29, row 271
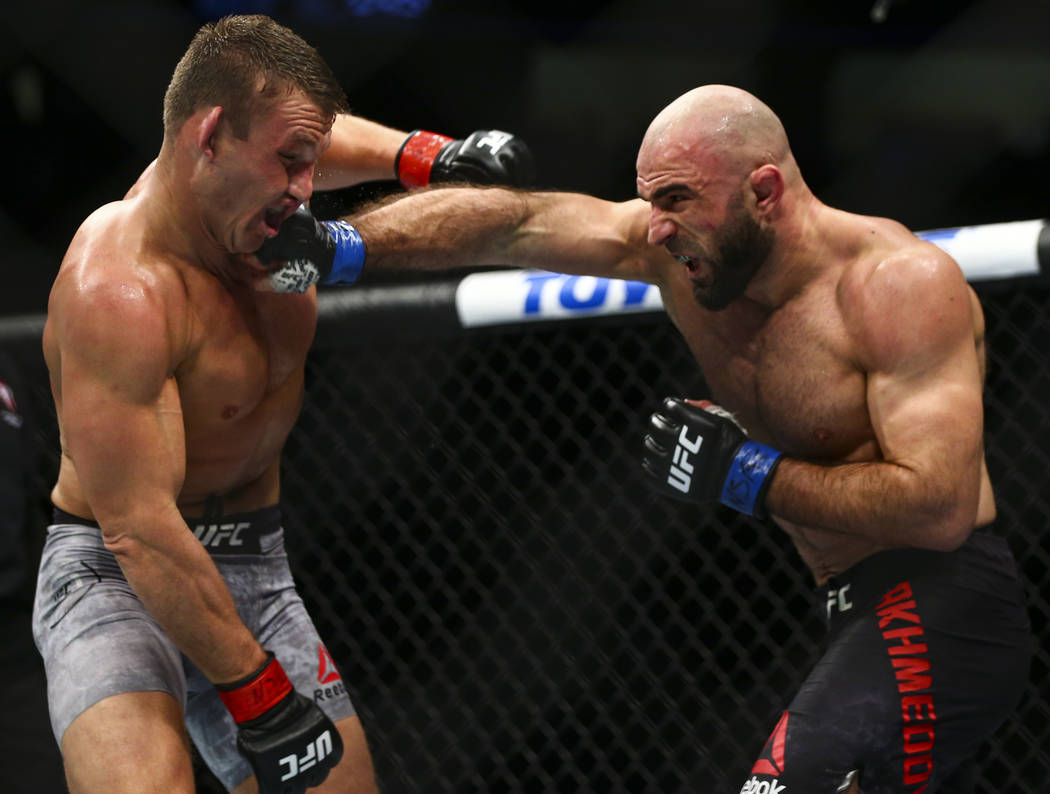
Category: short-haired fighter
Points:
column 165, row 609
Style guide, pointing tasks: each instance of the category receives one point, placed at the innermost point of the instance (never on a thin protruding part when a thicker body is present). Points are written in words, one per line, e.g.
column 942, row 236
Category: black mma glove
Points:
column 289, row 742
column 307, row 251
column 485, row 157
column 700, row 454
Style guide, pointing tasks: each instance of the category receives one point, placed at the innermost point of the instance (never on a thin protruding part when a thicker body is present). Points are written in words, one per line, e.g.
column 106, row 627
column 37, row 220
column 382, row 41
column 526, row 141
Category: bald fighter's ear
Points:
column 208, row 129
column 768, row 185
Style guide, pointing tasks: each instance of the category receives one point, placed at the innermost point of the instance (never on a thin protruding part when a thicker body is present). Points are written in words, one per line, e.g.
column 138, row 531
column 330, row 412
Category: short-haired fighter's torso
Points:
column 227, row 362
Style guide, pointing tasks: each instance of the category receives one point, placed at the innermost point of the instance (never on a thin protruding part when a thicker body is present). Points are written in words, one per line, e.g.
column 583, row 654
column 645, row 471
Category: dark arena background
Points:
column 510, row 607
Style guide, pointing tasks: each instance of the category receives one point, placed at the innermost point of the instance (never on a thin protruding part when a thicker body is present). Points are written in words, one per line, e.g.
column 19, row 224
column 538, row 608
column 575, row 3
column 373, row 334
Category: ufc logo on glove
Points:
column 681, row 469
column 729, row 468
column 320, row 749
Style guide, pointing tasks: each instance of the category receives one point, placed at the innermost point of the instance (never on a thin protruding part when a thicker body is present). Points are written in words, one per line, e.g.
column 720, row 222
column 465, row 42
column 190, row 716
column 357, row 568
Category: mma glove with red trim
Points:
column 485, row 157
column 289, row 742
column 699, row 453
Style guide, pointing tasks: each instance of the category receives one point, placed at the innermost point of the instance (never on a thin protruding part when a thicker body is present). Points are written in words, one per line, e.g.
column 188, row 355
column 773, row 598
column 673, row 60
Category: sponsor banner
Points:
column 992, row 250
column 516, row 296
column 987, row 252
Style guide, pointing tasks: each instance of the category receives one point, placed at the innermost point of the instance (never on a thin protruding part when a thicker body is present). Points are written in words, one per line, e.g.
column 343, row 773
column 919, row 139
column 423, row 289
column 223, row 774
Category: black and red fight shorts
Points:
column 927, row 653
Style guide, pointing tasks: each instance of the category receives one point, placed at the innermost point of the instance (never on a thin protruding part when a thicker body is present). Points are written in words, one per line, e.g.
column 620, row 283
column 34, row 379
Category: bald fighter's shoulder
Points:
column 903, row 290
column 890, row 257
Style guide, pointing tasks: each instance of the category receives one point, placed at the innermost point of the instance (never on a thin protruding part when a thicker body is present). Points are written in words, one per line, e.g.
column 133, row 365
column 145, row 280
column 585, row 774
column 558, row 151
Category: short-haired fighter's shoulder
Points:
column 117, row 294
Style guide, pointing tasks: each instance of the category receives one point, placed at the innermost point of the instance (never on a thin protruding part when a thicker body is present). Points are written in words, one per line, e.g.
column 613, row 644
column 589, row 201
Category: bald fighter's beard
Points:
column 741, row 245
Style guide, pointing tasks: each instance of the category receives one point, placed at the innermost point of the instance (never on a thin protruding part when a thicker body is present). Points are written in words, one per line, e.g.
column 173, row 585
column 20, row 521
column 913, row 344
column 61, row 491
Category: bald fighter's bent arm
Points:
column 924, row 385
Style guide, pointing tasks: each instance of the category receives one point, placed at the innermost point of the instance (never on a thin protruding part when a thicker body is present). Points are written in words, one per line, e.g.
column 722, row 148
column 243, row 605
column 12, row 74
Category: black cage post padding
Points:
column 513, row 610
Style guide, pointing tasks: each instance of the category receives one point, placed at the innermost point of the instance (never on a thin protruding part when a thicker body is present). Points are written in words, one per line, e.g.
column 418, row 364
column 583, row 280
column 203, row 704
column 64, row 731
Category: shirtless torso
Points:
column 792, row 378
column 232, row 369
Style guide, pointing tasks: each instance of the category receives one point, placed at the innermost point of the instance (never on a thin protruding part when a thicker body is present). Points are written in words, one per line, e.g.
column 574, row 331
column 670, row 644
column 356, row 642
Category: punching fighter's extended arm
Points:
column 454, row 227
column 363, row 151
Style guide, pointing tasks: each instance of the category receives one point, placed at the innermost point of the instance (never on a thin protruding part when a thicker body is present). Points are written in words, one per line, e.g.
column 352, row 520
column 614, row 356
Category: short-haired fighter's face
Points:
column 256, row 182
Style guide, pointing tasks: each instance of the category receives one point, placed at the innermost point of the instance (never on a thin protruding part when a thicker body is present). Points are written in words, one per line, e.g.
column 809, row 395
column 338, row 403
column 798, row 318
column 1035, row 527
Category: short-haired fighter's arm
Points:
column 365, row 151
column 447, row 228
column 122, row 429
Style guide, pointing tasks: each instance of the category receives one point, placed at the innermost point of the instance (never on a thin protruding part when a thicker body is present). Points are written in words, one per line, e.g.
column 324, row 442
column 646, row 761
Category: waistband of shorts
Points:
column 236, row 533
column 871, row 577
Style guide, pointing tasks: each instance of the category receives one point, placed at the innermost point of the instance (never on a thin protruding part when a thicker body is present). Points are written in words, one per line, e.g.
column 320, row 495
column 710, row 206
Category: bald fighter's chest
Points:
column 790, row 376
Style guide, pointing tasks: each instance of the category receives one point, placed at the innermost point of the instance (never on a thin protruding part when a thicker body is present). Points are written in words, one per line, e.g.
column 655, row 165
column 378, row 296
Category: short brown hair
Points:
column 225, row 60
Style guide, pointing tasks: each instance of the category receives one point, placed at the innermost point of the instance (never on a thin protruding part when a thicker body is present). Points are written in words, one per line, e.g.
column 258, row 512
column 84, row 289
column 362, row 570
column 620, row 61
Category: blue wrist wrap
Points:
column 747, row 478
column 349, row 253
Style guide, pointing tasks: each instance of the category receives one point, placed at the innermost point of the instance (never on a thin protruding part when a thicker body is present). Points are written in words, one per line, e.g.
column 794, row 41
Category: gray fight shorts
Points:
column 98, row 640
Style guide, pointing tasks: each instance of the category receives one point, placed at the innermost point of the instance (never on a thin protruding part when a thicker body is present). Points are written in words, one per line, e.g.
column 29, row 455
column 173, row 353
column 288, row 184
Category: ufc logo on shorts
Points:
column 214, row 535
column 679, row 477
column 494, row 140
column 837, row 599
column 318, row 750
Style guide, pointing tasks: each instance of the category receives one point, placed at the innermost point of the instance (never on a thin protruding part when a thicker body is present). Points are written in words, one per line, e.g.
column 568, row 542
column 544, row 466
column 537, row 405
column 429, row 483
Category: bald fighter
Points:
column 846, row 357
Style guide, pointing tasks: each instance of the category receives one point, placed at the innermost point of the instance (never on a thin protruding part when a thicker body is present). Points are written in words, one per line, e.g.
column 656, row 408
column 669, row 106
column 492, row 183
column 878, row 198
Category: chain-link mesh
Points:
column 513, row 611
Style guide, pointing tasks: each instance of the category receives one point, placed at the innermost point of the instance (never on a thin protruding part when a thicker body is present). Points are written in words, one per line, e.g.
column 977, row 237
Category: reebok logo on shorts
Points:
column 328, row 675
column 326, row 669
column 756, row 786
column 770, row 762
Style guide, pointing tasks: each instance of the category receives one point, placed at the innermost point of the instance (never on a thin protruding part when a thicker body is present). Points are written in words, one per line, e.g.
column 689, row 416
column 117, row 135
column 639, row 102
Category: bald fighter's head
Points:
column 722, row 125
column 715, row 164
